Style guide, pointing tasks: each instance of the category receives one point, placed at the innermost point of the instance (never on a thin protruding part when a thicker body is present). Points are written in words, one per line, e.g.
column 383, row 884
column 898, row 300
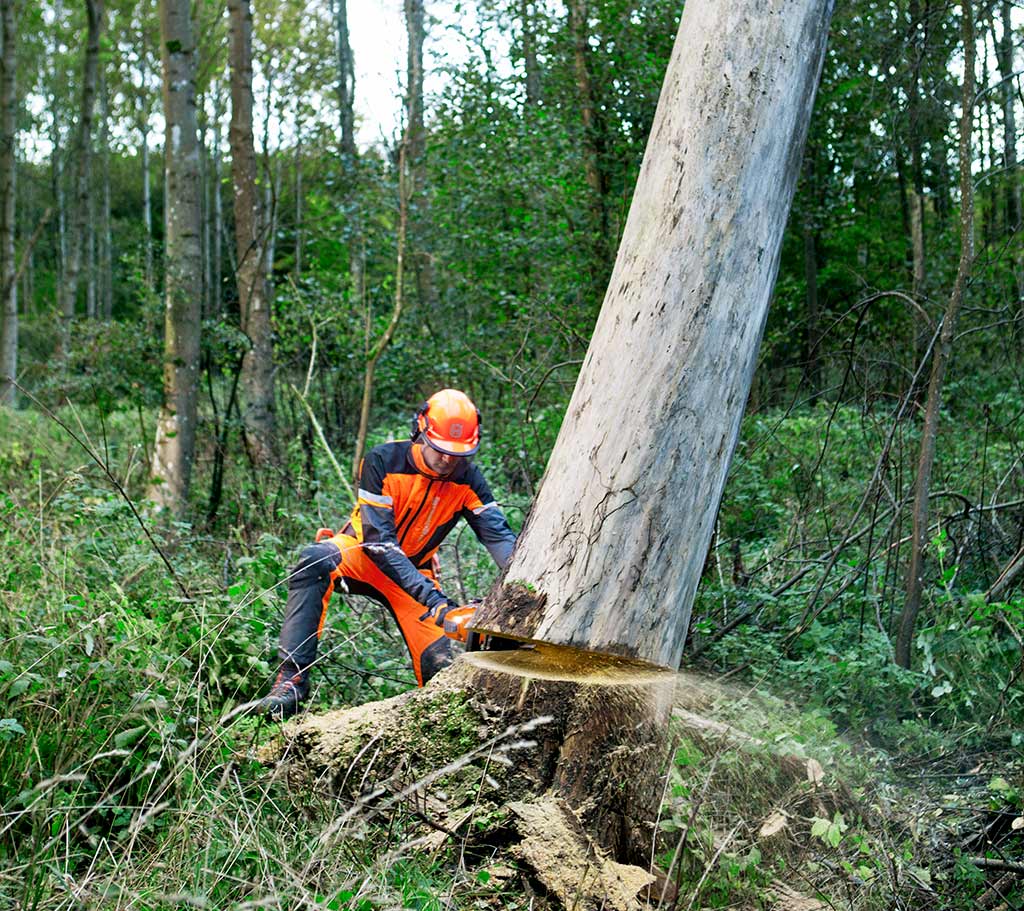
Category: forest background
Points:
column 867, row 558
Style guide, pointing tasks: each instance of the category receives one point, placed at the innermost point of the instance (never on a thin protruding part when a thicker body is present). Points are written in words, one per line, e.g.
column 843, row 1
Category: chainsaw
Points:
column 456, row 625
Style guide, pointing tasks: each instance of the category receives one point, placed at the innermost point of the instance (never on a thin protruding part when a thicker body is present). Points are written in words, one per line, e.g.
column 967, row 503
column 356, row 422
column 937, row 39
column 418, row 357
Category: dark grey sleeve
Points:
column 488, row 521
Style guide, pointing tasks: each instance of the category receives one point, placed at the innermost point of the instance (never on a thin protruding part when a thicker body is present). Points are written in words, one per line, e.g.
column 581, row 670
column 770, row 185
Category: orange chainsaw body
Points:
column 457, row 621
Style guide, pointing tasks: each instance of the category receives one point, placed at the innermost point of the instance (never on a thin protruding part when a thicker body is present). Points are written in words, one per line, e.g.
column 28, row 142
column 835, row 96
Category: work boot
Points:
column 284, row 697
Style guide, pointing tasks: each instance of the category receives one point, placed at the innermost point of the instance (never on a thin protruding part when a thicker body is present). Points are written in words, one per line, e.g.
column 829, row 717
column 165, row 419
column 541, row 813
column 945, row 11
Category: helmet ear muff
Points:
column 419, row 421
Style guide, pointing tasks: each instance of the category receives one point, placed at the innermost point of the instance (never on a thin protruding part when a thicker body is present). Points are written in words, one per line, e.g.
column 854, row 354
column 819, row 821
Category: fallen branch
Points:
column 991, row 863
column 27, row 252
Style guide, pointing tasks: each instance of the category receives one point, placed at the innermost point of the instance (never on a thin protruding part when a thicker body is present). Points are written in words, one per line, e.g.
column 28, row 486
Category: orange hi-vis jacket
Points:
column 405, row 511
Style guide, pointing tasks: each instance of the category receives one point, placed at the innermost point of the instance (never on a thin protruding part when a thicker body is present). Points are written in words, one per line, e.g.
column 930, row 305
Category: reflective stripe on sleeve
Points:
column 374, row 499
column 480, row 509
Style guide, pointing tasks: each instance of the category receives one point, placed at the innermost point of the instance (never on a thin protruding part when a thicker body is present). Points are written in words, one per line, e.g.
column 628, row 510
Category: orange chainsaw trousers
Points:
column 321, row 570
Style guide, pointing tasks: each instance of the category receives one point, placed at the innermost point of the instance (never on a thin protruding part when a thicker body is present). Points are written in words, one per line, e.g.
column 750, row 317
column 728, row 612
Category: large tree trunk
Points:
column 615, row 543
column 258, row 366
column 176, row 426
column 82, row 153
column 941, row 356
column 8, row 191
column 612, row 552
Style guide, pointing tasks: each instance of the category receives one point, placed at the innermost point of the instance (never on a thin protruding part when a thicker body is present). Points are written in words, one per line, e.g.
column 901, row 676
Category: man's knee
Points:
column 315, row 565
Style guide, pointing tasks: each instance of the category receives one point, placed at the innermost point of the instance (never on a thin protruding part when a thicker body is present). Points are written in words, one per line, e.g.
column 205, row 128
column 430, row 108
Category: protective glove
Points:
column 438, row 612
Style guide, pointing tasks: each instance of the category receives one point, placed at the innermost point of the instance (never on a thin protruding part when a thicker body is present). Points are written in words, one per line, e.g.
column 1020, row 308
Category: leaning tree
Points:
column 604, row 574
column 171, row 469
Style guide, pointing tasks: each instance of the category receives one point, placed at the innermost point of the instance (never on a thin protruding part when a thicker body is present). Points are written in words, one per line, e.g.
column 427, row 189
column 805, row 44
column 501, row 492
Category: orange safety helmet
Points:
column 449, row 422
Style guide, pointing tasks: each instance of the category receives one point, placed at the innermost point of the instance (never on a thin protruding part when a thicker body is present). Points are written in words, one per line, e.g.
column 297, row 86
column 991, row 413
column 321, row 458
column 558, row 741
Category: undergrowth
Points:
column 120, row 786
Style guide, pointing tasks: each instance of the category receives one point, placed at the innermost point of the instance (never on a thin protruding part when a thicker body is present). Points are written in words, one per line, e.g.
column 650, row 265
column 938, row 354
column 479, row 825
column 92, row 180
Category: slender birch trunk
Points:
column 299, row 237
column 416, row 158
column 216, row 277
column 176, row 426
column 941, row 355
column 1005, row 55
column 350, row 157
column 8, row 202
column 346, row 80
column 257, row 367
column 527, row 13
column 147, row 203
column 204, row 208
column 106, row 246
column 82, row 154
column 90, row 246
column 579, row 30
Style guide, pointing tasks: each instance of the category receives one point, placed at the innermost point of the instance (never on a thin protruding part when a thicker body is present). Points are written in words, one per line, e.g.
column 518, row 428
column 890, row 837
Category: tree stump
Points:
column 525, row 752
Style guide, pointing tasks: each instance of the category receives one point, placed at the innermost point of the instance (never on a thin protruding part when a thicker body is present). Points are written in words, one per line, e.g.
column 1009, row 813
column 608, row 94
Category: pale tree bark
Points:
column 217, row 256
column 613, row 549
column 205, row 214
column 416, row 155
column 615, row 542
column 147, row 204
column 59, row 199
column 258, row 365
column 176, row 426
column 90, row 248
column 82, row 156
column 8, row 201
column 105, row 278
column 942, row 353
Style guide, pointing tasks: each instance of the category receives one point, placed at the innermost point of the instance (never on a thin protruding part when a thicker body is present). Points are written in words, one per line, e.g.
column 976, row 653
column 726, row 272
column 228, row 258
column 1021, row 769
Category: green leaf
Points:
column 9, row 729
column 127, row 738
